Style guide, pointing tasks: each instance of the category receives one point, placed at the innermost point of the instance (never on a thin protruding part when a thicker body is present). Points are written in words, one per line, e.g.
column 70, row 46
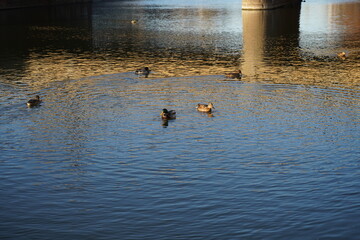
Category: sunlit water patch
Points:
column 296, row 45
column 95, row 160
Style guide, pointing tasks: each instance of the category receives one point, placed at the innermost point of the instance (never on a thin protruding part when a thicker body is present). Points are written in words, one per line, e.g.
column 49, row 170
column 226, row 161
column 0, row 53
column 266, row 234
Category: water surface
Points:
column 296, row 45
column 277, row 159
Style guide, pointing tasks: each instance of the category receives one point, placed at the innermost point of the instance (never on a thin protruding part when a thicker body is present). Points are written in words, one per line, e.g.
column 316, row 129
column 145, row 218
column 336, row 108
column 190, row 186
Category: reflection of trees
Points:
column 38, row 32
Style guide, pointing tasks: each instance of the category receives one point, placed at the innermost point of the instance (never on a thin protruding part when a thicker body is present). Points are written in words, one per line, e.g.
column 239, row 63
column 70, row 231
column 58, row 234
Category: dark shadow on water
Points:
column 165, row 122
column 206, row 114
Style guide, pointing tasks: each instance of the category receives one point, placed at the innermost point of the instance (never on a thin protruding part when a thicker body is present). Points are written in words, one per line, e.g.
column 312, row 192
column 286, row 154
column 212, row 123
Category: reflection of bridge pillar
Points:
column 265, row 4
column 279, row 25
column 254, row 25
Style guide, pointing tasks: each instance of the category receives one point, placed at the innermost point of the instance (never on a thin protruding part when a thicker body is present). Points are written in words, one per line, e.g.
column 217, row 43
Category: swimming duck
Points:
column 143, row 71
column 34, row 101
column 237, row 75
column 167, row 115
column 341, row 55
column 205, row 107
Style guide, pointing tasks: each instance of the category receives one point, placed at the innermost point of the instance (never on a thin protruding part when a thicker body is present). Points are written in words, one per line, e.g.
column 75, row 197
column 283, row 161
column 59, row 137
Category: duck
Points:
column 34, row 101
column 143, row 71
column 205, row 107
column 237, row 75
column 341, row 55
column 134, row 21
column 168, row 115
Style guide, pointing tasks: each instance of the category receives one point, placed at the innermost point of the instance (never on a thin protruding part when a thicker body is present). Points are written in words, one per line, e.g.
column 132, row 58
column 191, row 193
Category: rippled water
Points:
column 295, row 45
column 277, row 159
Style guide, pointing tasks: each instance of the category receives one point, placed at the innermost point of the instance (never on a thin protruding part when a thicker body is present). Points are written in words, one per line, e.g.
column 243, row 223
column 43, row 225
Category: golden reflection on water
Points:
column 294, row 65
column 275, row 49
column 314, row 72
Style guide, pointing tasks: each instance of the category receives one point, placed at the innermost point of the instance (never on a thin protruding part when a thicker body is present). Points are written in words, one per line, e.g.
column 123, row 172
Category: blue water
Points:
column 97, row 162
column 277, row 159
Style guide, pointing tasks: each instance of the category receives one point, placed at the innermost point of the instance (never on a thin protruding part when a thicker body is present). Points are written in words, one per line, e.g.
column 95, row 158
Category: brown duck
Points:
column 205, row 107
column 341, row 55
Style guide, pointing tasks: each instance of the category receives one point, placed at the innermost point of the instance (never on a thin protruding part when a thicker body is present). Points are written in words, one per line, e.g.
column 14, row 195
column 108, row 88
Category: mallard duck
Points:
column 34, row 101
column 205, row 107
column 341, row 55
column 234, row 74
column 167, row 115
column 143, row 71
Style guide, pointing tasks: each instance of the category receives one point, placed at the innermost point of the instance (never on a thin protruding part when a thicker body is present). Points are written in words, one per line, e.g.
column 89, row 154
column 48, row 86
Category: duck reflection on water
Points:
column 165, row 123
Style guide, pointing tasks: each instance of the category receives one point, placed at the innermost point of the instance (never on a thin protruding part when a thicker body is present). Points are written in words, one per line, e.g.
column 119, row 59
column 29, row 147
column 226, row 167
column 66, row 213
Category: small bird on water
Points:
column 341, row 55
column 168, row 115
column 143, row 71
column 205, row 107
column 34, row 101
column 233, row 75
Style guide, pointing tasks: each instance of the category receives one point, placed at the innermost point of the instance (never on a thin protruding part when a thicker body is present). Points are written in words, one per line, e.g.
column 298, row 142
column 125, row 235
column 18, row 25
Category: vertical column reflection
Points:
column 268, row 36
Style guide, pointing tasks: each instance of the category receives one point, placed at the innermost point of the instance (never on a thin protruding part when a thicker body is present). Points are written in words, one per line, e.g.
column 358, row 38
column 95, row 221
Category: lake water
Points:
column 279, row 157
